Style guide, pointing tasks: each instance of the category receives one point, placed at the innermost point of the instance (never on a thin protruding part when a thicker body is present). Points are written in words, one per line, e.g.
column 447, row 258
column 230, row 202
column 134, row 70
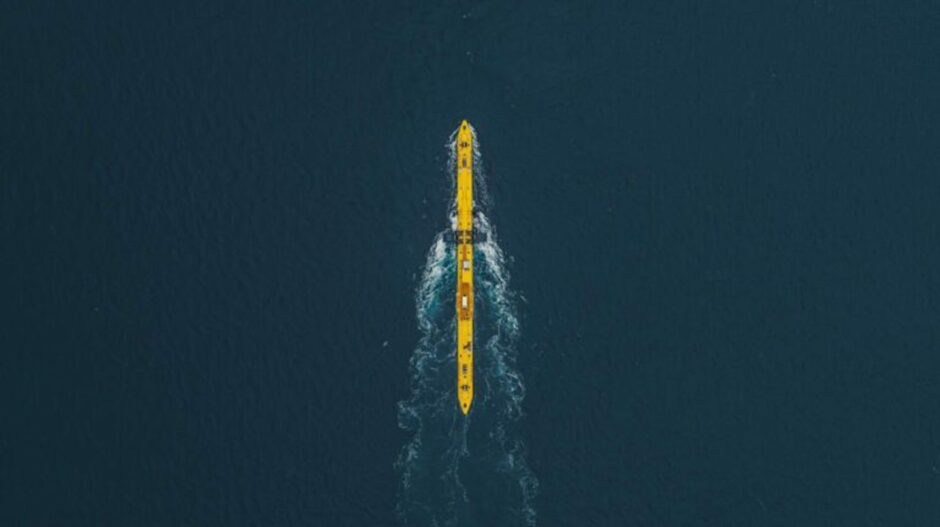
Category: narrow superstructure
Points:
column 463, row 238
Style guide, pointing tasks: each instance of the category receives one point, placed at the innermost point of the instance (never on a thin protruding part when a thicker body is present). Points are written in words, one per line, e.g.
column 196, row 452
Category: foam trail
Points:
column 471, row 470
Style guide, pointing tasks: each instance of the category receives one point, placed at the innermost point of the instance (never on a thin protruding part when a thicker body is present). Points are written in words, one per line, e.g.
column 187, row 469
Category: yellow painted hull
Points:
column 464, row 257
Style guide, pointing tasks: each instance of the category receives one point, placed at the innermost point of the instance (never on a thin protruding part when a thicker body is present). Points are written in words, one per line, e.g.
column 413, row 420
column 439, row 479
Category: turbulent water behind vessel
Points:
column 465, row 470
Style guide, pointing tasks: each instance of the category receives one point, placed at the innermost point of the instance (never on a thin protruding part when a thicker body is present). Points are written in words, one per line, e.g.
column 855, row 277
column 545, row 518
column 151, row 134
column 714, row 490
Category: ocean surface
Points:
column 710, row 294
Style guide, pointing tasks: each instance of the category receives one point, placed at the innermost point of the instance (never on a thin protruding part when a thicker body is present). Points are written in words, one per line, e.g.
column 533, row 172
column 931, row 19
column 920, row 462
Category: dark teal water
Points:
column 719, row 224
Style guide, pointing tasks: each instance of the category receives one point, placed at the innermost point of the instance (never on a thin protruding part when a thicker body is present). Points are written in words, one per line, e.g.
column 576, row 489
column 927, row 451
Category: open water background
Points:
column 719, row 220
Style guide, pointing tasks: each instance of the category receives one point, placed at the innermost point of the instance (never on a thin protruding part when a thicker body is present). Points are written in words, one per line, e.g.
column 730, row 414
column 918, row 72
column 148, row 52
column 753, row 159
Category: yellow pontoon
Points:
column 463, row 239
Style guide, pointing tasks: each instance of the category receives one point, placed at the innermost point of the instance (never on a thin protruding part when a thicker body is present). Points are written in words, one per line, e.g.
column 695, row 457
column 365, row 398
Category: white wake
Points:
column 455, row 469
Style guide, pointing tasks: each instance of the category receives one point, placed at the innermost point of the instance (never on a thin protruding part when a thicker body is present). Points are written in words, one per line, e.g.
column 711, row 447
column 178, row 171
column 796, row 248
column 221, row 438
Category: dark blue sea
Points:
column 709, row 293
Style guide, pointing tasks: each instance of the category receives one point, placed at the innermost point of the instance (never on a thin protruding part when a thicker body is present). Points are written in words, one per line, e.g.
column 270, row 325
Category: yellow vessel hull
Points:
column 464, row 258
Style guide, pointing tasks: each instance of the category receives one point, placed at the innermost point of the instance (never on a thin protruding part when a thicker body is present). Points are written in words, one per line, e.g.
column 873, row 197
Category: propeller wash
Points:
column 465, row 462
